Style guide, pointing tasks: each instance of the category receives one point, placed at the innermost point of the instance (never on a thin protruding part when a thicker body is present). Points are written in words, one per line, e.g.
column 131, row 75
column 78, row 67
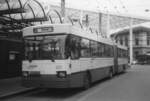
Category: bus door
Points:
column 75, row 65
column 73, row 48
column 115, row 59
column 75, row 68
column 85, row 52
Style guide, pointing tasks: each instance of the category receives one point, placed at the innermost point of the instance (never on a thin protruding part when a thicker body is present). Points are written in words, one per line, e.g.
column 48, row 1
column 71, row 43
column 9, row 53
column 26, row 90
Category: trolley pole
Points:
column 87, row 20
column 100, row 23
column 108, row 24
column 131, row 41
column 81, row 17
column 63, row 10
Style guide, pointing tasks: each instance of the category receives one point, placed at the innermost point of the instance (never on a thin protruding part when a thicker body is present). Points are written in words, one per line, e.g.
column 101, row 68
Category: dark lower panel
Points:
column 100, row 73
column 76, row 79
column 71, row 81
column 52, row 81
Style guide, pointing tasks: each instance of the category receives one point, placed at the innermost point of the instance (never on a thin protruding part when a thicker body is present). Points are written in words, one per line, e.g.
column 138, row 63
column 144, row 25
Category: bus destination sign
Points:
column 43, row 29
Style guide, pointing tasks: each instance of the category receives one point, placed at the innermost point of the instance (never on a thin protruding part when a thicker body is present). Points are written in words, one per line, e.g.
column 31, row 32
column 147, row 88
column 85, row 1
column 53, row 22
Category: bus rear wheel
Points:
column 87, row 81
column 124, row 68
column 110, row 73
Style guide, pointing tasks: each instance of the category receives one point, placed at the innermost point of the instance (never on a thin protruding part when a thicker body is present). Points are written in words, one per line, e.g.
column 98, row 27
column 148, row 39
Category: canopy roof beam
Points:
column 12, row 11
column 8, row 6
column 20, row 8
column 41, row 8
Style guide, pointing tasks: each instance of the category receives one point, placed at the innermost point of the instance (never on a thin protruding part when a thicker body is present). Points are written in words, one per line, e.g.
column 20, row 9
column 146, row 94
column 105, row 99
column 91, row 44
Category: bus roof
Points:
column 46, row 29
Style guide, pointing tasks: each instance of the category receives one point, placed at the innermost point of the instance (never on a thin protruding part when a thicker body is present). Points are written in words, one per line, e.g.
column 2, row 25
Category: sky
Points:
column 130, row 8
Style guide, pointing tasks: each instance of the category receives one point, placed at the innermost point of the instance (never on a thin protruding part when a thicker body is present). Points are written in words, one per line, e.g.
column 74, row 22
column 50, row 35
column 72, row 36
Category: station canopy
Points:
column 17, row 14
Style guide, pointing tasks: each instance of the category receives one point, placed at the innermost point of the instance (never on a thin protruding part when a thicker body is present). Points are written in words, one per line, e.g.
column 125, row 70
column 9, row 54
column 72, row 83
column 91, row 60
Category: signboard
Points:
column 43, row 29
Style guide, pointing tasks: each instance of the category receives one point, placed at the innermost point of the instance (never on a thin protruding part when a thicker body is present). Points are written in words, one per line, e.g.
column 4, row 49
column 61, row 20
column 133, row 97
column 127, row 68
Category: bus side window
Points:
column 94, row 49
column 85, row 48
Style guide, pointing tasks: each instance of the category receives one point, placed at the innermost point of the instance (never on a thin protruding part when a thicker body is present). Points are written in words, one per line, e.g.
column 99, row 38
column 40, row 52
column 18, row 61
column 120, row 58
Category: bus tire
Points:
column 110, row 73
column 124, row 68
column 87, row 81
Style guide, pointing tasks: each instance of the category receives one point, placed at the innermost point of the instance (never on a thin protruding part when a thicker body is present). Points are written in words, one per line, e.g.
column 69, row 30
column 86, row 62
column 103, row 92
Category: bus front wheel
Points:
column 87, row 81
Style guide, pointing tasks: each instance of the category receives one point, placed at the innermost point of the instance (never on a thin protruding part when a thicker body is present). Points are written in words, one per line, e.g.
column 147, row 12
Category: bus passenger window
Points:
column 101, row 50
column 94, row 48
column 85, row 48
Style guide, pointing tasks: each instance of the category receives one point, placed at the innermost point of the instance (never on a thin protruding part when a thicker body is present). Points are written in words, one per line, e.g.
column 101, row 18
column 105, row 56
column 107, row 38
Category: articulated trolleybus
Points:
column 64, row 56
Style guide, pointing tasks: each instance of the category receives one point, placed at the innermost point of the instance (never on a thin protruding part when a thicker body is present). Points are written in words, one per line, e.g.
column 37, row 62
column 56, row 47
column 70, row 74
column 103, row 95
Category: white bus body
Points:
column 70, row 57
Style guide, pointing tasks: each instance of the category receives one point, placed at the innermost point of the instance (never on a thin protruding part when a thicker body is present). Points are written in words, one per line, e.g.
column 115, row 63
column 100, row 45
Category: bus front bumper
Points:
column 46, row 81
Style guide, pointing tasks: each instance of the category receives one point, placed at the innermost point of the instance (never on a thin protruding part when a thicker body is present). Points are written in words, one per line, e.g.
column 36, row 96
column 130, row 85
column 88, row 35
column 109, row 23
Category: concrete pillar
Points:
column 131, row 41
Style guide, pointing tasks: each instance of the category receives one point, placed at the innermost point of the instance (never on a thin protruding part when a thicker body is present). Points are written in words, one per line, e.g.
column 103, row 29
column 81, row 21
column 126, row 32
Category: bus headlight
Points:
column 61, row 74
column 25, row 73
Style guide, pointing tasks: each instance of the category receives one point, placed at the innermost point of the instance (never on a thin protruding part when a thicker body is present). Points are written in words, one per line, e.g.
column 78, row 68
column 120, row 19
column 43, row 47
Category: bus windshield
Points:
column 45, row 47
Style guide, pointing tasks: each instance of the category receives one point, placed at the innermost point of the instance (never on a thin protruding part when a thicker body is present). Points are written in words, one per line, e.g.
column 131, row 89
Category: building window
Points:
column 121, row 41
column 148, row 38
column 126, row 41
column 136, row 41
column 136, row 54
column 148, row 42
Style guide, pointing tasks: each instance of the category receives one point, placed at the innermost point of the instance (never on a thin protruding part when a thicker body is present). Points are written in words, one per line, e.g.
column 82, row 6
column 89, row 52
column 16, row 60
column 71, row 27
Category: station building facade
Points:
column 140, row 40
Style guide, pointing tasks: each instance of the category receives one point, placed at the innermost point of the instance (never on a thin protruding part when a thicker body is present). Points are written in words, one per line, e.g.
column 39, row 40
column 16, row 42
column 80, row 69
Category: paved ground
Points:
column 11, row 86
column 131, row 86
